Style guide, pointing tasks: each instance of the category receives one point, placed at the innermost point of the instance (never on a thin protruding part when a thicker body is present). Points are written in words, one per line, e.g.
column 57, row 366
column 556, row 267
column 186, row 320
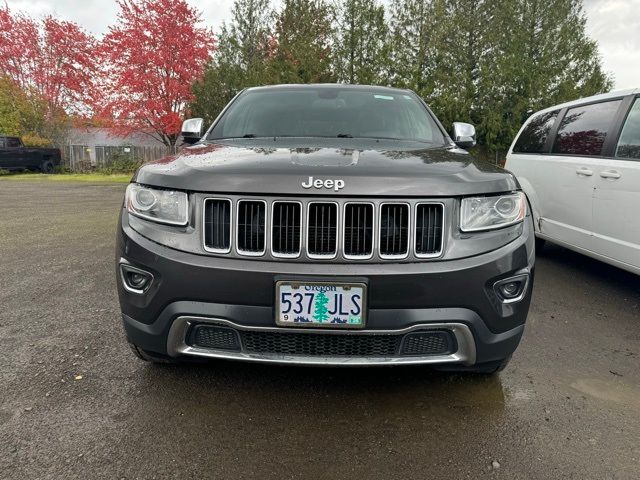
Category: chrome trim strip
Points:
column 306, row 229
column 204, row 209
column 246, row 253
column 286, row 255
column 409, row 232
column 415, row 224
column 344, row 230
column 466, row 353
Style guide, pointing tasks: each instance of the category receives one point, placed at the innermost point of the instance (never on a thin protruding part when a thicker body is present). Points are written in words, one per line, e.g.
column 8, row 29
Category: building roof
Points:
column 100, row 136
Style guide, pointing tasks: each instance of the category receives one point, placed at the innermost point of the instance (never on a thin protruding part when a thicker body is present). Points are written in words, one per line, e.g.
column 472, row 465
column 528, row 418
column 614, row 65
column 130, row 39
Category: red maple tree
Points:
column 52, row 59
column 151, row 58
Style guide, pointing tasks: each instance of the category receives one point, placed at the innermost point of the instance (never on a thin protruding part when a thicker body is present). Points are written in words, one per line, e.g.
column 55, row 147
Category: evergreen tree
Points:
column 321, row 312
column 360, row 44
column 302, row 50
column 240, row 60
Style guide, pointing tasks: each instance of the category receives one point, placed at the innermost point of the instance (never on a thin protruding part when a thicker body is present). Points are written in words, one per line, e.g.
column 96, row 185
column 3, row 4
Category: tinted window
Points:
column 584, row 129
column 328, row 112
column 629, row 143
column 534, row 136
column 13, row 142
column 1, row 142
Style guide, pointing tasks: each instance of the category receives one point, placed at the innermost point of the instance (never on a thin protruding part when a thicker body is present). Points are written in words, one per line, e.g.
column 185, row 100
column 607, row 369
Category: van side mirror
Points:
column 464, row 135
column 192, row 130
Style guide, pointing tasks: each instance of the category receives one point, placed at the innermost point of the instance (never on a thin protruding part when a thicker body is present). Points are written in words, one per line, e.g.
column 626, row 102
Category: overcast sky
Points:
column 615, row 24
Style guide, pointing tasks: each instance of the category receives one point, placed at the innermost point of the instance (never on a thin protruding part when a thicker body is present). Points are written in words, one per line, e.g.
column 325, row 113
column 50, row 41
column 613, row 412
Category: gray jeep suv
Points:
column 326, row 225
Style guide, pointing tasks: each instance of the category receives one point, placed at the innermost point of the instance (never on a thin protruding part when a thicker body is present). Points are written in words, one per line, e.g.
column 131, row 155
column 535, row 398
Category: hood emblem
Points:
column 336, row 184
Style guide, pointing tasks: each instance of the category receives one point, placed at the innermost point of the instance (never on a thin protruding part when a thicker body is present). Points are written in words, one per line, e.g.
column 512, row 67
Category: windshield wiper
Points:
column 344, row 135
column 249, row 135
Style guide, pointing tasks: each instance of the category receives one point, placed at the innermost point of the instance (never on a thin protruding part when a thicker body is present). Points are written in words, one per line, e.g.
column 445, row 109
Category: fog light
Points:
column 135, row 280
column 512, row 289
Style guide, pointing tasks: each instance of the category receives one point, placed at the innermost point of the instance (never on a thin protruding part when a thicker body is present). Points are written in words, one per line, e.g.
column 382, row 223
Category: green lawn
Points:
column 69, row 177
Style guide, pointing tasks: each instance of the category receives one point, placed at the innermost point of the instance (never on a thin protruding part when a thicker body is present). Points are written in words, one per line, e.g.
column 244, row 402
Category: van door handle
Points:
column 612, row 174
column 584, row 171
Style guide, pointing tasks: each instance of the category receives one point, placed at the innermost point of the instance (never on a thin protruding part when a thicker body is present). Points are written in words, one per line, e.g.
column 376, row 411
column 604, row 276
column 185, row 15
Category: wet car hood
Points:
column 373, row 168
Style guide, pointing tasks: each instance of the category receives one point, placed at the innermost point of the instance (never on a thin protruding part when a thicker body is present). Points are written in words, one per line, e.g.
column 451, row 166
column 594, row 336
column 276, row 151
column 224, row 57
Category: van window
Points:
column 13, row 142
column 584, row 129
column 534, row 136
column 629, row 143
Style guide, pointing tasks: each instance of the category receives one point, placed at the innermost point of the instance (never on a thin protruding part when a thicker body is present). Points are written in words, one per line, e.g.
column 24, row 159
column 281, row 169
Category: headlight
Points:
column 488, row 213
column 162, row 206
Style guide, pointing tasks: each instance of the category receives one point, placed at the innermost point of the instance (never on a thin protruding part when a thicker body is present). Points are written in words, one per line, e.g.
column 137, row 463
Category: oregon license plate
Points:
column 320, row 304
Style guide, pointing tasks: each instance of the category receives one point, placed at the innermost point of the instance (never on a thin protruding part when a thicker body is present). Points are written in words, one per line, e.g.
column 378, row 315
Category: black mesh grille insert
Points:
column 217, row 224
column 251, row 226
column 428, row 229
column 429, row 343
column 420, row 343
column 215, row 337
column 285, row 226
column 358, row 229
column 322, row 229
column 394, row 229
column 328, row 345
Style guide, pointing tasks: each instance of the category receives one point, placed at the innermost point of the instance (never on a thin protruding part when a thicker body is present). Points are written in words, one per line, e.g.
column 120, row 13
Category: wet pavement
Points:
column 75, row 403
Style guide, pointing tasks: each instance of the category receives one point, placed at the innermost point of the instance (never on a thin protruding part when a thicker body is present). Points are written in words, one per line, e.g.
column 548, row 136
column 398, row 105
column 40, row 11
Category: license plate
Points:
column 320, row 304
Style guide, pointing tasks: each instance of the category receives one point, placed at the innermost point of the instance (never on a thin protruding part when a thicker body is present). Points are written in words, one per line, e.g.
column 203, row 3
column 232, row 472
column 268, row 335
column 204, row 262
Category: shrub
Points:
column 120, row 163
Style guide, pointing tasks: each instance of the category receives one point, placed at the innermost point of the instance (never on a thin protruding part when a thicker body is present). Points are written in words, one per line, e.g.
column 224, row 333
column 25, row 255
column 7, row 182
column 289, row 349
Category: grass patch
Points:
column 70, row 177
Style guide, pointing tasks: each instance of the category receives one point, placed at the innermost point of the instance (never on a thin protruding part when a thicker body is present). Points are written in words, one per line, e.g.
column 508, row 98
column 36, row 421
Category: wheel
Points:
column 150, row 357
column 540, row 243
column 47, row 167
column 488, row 368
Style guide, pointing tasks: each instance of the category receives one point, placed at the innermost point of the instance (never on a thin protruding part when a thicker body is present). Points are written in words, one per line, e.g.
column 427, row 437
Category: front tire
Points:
column 47, row 167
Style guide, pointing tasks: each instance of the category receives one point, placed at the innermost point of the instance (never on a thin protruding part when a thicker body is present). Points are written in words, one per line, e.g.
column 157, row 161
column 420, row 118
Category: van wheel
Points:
column 150, row 357
column 47, row 167
column 488, row 368
column 540, row 243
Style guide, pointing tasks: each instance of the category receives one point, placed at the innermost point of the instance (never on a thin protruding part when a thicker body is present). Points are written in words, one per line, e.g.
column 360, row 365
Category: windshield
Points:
column 328, row 112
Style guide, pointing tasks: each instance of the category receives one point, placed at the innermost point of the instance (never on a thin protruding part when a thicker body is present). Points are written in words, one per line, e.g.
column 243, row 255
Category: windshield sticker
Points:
column 384, row 97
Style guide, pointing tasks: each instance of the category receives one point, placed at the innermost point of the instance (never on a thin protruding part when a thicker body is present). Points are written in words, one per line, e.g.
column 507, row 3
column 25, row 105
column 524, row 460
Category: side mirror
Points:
column 464, row 135
column 192, row 130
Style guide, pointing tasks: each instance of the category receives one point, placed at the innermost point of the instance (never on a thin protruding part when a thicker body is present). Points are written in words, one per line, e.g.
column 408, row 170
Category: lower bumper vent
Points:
column 313, row 344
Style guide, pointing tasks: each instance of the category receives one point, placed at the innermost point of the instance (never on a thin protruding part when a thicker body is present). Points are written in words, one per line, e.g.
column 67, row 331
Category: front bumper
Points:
column 456, row 296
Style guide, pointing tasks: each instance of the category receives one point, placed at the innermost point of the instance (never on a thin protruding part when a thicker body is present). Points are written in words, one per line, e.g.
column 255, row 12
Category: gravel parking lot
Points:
column 75, row 403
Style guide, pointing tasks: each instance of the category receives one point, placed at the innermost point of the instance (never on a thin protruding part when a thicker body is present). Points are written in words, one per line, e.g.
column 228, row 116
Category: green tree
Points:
column 321, row 312
column 23, row 114
column 360, row 44
column 302, row 44
column 240, row 60
column 541, row 56
column 412, row 41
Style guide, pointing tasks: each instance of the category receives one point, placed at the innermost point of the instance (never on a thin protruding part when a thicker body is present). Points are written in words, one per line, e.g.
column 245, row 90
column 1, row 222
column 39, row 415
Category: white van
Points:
column 579, row 164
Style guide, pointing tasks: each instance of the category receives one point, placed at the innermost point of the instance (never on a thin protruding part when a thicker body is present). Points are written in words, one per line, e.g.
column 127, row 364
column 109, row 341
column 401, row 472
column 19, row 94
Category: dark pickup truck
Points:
column 15, row 156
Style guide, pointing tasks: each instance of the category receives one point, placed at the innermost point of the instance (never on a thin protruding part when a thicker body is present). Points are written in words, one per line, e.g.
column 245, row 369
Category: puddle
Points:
column 609, row 391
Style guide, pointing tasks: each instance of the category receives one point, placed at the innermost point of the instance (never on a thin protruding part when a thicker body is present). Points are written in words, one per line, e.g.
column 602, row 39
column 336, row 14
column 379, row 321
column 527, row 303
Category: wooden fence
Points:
column 83, row 157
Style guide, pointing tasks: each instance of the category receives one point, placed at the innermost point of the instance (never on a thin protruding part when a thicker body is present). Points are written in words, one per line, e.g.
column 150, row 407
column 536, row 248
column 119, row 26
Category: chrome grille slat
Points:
column 286, row 229
column 251, row 231
column 429, row 233
column 402, row 229
column 322, row 229
column 394, row 230
column 358, row 230
column 217, row 225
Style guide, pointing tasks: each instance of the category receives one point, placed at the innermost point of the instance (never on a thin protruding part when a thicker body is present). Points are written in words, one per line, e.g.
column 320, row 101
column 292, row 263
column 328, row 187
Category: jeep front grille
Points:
column 324, row 229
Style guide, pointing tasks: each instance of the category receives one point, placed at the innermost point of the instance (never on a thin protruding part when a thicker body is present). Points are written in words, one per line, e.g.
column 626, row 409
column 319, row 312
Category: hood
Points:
column 366, row 168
